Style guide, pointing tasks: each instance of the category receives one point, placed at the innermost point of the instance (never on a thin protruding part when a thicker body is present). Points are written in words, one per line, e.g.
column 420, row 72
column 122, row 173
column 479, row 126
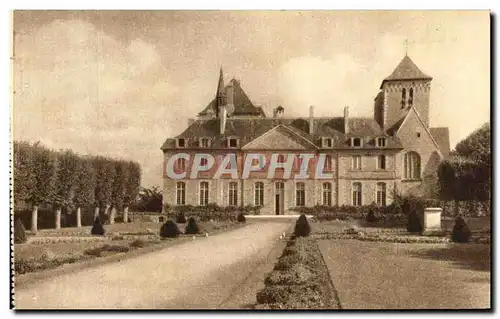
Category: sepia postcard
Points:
column 251, row 160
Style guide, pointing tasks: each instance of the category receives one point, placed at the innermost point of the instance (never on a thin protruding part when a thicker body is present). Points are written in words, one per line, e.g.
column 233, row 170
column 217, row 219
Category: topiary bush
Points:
column 241, row 218
column 461, row 232
column 181, row 218
column 302, row 227
column 97, row 228
column 414, row 225
column 169, row 230
column 371, row 217
column 192, row 227
column 19, row 232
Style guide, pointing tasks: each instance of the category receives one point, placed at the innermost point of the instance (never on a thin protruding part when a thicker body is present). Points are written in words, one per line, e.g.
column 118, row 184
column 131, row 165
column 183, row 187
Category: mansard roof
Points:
column 242, row 104
column 406, row 70
column 248, row 129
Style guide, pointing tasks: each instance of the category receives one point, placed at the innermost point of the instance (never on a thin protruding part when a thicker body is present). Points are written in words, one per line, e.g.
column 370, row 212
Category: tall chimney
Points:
column 311, row 119
column 222, row 119
column 346, row 120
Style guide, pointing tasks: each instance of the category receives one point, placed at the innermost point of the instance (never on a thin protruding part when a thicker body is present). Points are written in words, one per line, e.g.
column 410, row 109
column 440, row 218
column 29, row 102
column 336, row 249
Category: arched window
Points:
column 327, row 194
column 381, row 194
column 412, row 165
column 259, row 194
column 300, row 194
column 356, row 194
column 233, row 194
column 181, row 164
column 203, row 193
column 403, row 98
column 410, row 100
column 180, row 193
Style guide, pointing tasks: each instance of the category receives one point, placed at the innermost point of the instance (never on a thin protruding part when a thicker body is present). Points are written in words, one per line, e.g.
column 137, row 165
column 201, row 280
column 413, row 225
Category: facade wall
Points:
column 415, row 138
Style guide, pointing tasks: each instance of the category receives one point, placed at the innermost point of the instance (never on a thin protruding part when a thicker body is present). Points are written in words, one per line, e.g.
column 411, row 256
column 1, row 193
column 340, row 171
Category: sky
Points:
column 119, row 83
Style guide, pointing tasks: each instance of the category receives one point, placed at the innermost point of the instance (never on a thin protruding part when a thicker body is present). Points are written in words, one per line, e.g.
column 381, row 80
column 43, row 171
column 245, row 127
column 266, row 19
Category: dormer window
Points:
column 381, row 142
column 204, row 142
column 232, row 142
column 181, row 142
column 327, row 142
column 356, row 142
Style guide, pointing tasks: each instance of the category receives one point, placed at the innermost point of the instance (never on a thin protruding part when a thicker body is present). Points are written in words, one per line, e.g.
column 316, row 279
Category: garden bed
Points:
column 300, row 280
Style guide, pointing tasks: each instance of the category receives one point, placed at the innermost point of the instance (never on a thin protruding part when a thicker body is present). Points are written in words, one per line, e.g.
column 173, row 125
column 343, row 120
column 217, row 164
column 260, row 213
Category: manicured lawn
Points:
column 372, row 275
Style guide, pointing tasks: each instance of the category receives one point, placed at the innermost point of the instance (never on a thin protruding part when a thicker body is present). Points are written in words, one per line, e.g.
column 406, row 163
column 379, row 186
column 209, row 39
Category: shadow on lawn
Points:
column 468, row 256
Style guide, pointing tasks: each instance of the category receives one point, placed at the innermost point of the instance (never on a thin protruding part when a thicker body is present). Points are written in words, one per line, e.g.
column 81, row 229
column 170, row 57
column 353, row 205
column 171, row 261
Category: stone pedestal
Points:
column 431, row 223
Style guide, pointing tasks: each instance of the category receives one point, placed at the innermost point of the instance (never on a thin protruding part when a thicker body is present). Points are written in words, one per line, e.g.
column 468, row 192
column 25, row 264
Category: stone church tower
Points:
column 407, row 86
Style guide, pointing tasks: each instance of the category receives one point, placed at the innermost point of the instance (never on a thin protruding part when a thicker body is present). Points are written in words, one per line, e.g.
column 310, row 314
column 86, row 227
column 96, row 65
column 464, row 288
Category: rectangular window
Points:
column 327, row 194
column 381, row 194
column 356, row 162
column 327, row 142
column 203, row 193
column 356, row 194
column 381, row 162
column 181, row 142
column 204, row 142
column 233, row 194
column 259, row 194
column 328, row 163
column 381, row 142
column 356, row 142
column 181, row 164
column 233, row 142
column 300, row 194
column 181, row 193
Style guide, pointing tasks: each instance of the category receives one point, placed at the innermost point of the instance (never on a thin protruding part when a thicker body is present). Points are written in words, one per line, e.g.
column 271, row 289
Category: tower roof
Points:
column 220, row 87
column 406, row 70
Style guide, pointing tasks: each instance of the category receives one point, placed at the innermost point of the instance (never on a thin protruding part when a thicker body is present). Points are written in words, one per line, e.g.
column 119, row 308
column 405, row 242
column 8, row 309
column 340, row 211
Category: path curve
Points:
column 196, row 274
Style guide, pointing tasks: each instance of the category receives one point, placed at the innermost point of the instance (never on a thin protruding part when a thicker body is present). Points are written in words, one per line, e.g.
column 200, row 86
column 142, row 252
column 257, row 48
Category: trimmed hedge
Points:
column 241, row 218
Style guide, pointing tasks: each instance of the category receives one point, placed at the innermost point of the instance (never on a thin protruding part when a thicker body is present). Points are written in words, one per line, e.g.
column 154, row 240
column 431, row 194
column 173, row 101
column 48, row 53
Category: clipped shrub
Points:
column 371, row 217
column 302, row 227
column 461, row 232
column 192, row 227
column 169, row 230
column 19, row 232
column 181, row 218
column 97, row 228
column 241, row 218
column 414, row 225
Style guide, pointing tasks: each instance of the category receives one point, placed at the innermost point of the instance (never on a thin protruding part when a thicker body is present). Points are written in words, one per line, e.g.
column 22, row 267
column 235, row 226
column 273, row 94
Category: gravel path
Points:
column 370, row 275
column 203, row 273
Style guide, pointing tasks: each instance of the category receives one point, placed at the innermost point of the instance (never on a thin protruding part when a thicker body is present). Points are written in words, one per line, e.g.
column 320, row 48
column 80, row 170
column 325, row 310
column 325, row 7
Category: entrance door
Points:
column 279, row 198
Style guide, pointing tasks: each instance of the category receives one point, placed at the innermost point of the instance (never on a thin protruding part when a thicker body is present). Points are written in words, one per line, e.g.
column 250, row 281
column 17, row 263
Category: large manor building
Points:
column 369, row 159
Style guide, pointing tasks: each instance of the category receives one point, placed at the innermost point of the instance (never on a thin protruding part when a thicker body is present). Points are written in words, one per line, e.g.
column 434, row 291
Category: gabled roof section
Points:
column 406, row 70
column 242, row 104
column 423, row 124
column 300, row 142
column 442, row 137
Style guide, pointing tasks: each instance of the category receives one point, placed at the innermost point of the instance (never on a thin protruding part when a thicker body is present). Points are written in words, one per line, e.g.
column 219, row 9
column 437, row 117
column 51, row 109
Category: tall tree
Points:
column 45, row 178
column 132, row 187
column 66, row 181
column 23, row 173
column 105, row 174
column 119, row 187
column 85, row 183
column 477, row 146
